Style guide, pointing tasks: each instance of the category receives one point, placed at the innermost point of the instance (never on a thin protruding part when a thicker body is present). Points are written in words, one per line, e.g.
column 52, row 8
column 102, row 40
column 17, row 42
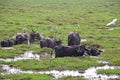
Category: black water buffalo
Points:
column 34, row 35
column 7, row 42
column 76, row 50
column 27, row 38
column 12, row 42
column 50, row 42
column 73, row 39
column 22, row 39
column 94, row 52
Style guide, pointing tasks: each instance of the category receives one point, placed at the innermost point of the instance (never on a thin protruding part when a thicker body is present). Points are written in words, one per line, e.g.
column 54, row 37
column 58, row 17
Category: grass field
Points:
column 110, row 71
column 88, row 17
column 26, row 77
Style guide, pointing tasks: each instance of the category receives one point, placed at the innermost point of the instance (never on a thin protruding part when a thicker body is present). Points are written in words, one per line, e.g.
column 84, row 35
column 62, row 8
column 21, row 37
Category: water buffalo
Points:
column 22, row 39
column 27, row 38
column 12, row 42
column 33, row 36
column 73, row 38
column 7, row 42
column 50, row 42
column 76, row 50
column 94, row 52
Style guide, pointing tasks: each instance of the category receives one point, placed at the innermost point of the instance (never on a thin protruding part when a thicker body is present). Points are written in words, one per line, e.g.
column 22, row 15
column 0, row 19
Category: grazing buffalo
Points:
column 94, row 52
column 50, row 43
column 76, row 50
column 73, row 39
column 27, row 38
column 7, row 42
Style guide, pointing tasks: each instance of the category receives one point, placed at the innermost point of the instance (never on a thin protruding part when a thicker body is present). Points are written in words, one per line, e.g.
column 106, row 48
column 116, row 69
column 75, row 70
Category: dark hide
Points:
column 63, row 51
column 12, row 42
column 43, row 43
column 7, row 43
column 73, row 39
column 22, row 39
column 94, row 52
column 27, row 38
column 58, row 43
column 33, row 36
column 49, row 42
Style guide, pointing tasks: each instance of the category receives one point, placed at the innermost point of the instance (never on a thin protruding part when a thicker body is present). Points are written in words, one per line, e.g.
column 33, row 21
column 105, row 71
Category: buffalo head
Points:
column 81, row 49
column 34, row 35
column 94, row 52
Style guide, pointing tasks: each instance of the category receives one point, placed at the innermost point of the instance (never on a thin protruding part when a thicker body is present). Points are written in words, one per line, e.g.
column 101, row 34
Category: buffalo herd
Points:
column 73, row 48
column 21, row 38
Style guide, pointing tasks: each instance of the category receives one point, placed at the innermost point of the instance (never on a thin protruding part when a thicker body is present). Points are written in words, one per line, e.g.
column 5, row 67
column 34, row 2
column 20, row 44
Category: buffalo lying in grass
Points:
column 76, row 50
column 8, row 42
column 94, row 52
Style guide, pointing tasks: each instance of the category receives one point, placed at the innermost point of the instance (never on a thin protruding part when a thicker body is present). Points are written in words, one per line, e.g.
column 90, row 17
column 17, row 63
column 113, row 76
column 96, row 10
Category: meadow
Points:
column 57, row 18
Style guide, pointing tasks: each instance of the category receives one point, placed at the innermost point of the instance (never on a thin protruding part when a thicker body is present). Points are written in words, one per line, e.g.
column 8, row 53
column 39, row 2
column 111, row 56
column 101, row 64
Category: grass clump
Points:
column 112, row 55
column 9, row 53
column 71, row 78
column 70, row 63
column 35, row 48
column 26, row 77
column 109, row 71
column 20, row 49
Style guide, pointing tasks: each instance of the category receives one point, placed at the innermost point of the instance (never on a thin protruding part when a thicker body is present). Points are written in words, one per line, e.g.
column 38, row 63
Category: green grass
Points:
column 70, row 63
column 36, row 77
column 71, row 78
column 44, row 15
column 109, row 71
column 26, row 77
column 112, row 55
column 39, row 14
column 20, row 49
